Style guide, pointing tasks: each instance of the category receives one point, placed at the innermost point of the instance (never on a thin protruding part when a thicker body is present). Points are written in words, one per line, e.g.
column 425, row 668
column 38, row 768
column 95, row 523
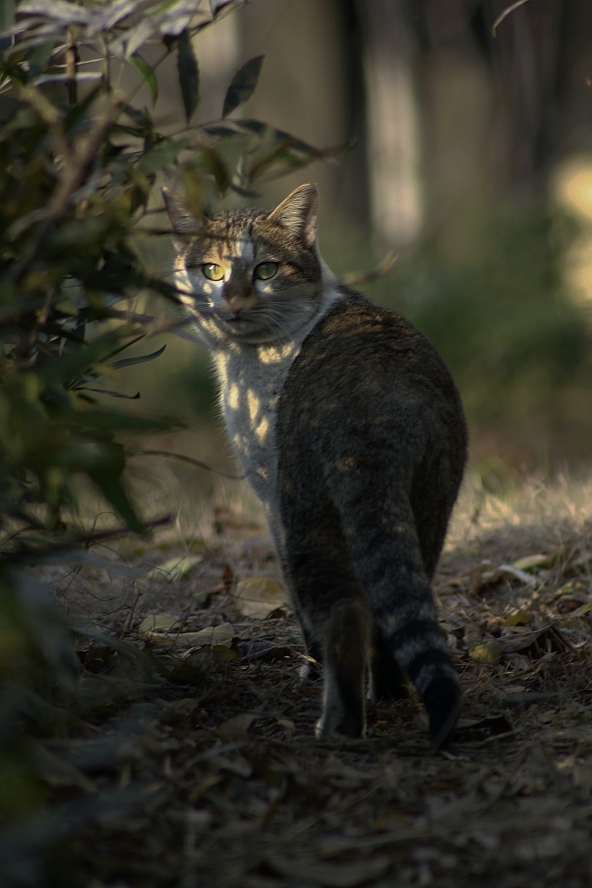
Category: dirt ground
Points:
column 193, row 761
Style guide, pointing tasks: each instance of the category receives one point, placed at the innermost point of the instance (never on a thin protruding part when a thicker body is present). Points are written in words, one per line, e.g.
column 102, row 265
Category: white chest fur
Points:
column 251, row 381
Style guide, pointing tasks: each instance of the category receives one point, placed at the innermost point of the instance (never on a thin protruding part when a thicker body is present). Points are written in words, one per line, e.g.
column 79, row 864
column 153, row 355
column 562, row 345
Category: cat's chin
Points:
column 254, row 331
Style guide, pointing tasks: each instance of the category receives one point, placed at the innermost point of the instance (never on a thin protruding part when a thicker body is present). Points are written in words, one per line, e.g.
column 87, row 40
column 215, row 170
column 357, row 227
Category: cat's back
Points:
column 365, row 368
column 370, row 413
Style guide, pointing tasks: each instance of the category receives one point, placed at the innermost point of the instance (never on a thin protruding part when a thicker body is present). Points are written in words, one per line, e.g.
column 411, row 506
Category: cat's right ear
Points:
column 182, row 219
column 298, row 213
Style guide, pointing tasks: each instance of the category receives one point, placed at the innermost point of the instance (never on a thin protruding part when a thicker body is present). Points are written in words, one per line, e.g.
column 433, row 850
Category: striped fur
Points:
column 350, row 429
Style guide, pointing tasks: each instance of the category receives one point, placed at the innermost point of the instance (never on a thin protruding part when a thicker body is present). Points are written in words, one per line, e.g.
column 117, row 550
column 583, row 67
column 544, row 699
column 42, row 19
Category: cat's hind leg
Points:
column 387, row 679
column 336, row 621
column 347, row 643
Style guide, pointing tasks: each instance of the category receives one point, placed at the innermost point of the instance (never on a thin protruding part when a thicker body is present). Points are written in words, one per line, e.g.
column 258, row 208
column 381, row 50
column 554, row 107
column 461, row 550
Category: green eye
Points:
column 265, row 271
column 212, row 271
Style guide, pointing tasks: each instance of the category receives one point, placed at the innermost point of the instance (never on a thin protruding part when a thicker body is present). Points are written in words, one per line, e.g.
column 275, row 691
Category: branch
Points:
column 190, row 460
column 505, row 14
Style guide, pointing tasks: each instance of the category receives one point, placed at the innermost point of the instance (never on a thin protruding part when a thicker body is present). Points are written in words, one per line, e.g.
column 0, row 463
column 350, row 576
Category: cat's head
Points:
column 249, row 275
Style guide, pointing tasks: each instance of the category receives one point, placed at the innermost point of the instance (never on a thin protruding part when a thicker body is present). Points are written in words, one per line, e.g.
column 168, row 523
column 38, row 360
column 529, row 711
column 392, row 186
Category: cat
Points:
column 351, row 431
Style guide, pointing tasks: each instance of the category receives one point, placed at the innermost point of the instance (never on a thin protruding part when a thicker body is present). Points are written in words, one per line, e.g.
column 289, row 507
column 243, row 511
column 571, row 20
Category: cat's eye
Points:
column 212, row 271
column 265, row 271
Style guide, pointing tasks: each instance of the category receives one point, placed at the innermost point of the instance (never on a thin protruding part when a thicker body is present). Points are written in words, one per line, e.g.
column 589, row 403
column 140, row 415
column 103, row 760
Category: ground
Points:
column 194, row 764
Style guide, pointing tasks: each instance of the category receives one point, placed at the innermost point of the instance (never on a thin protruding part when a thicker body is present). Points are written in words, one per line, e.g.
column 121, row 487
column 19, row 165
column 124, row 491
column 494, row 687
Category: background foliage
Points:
column 79, row 163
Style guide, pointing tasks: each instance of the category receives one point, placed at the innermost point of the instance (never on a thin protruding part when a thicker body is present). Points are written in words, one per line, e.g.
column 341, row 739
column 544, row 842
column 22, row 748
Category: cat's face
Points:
column 248, row 275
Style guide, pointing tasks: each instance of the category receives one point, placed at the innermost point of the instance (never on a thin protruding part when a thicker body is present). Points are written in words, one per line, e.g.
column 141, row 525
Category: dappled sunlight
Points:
column 572, row 190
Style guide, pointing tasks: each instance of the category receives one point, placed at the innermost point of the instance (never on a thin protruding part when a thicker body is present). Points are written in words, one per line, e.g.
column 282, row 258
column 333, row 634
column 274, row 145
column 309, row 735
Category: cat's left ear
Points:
column 298, row 213
column 182, row 219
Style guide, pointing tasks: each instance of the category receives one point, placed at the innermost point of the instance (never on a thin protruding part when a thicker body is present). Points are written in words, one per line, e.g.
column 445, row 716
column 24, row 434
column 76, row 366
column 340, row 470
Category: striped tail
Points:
column 386, row 554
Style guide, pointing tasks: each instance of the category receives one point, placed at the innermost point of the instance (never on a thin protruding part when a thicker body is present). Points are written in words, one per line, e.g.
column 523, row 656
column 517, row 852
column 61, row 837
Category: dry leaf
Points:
column 158, row 623
column 489, row 653
column 259, row 596
column 211, row 635
column 174, row 568
column 541, row 641
column 236, row 728
column 531, row 562
column 238, row 765
column 507, row 572
column 332, row 875
column 519, row 618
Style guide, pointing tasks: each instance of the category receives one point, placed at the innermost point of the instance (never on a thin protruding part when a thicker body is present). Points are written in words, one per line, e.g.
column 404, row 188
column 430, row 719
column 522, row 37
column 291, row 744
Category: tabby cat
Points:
column 350, row 429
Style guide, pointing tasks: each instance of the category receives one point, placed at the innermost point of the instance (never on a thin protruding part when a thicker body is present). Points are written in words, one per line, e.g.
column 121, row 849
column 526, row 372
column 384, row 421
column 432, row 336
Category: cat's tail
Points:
column 384, row 546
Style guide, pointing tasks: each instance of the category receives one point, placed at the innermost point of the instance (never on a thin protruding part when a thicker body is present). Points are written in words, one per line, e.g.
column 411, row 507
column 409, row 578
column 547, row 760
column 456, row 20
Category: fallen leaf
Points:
column 238, row 765
column 174, row 568
column 236, row 728
column 507, row 572
column 531, row 562
column 519, row 618
column 259, row 596
column 331, row 875
column 194, row 670
column 489, row 653
column 538, row 642
column 158, row 623
column 211, row 635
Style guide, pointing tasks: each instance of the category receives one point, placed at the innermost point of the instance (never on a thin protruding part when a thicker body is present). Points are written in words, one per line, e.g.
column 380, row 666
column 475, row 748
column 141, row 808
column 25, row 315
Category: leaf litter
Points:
column 191, row 758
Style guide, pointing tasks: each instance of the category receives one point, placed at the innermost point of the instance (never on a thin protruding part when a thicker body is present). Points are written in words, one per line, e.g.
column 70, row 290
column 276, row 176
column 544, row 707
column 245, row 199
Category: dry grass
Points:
column 199, row 765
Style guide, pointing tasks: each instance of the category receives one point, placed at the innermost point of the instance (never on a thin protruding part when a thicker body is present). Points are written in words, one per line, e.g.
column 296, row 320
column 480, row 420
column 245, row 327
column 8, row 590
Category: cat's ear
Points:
column 298, row 213
column 182, row 219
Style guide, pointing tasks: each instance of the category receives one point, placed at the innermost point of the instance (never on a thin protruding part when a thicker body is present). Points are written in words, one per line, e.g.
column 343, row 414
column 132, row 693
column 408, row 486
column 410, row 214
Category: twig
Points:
column 190, row 460
column 74, row 166
column 355, row 278
column 510, row 9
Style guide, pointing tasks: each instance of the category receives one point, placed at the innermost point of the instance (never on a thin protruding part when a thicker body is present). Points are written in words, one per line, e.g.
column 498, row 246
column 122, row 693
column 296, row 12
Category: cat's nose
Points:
column 238, row 295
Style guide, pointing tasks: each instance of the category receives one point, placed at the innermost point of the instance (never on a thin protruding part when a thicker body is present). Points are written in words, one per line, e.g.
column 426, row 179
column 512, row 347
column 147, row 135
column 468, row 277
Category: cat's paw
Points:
column 310, row 670
column 443, row 701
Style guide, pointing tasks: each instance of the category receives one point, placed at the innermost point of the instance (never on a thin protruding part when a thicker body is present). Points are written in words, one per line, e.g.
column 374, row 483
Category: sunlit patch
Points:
column 254, row 404
column 572, row 188
column 243, row 248
column 222, row 368
column 269, row 354
column 262, row 429
column 233, row 397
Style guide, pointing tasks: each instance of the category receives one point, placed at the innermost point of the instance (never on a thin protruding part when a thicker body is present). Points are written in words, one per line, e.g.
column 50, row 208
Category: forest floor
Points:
column 193, row 762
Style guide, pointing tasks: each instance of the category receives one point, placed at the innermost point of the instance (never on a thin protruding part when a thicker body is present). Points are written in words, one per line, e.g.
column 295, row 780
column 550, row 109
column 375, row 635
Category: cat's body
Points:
column 349, row 427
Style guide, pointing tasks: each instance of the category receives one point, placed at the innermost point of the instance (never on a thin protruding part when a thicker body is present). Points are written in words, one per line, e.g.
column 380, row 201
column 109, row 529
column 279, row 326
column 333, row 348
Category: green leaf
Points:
column 147, row 72
column 141, row 359
column 188, row 74
column 109, row 482
column 72, row 364
column 162, row 155
column 243, row 85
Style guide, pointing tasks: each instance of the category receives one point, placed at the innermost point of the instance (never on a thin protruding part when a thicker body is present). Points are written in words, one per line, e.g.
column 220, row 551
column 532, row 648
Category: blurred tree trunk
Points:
column 392, row 122
column 540, row 68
